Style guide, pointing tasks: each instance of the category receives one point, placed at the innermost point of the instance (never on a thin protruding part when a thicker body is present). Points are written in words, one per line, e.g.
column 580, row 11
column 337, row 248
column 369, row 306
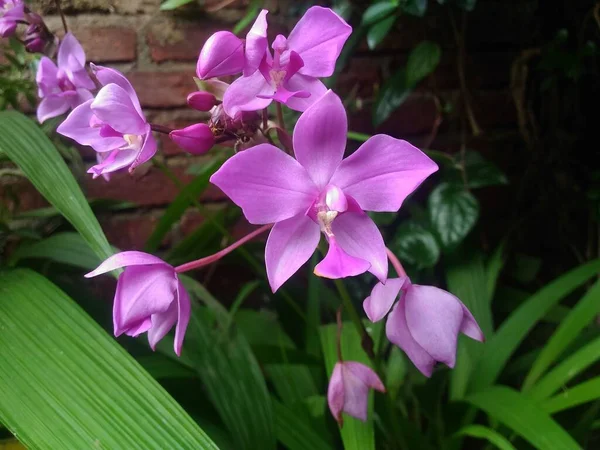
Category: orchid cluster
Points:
column 300, row 193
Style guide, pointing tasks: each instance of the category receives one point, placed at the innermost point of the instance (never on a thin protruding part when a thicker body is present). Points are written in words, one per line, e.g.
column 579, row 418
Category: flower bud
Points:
column 222, row 54
column 196, row 139
column 201, row 101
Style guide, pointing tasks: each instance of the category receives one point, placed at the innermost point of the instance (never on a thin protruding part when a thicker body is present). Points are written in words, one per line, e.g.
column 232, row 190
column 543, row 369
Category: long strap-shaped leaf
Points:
column 64, row 383
column 30, row 149
column 582, row 393
column 506, row 340
column 524, row 417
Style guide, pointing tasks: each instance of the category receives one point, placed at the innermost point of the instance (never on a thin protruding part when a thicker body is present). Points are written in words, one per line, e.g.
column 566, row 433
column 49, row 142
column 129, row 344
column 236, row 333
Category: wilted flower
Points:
column 66, row 86
column 112, row 123
column 424, row 323
column 196, row 139
column 149, row 298
column 222, row 54
column 11, row 12
column 348, row 389
column 291, row 74
column 319, row 192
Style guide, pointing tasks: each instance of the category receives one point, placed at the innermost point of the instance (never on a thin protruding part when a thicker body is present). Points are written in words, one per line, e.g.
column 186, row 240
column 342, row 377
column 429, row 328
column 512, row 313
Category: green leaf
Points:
column 414, row 7
column 500, row 346
column 492, row 436
column 393, row 93
column 29, row 148
column 481, row 172
column 493, row 269
column 179, row 205
column 251, row 14
column 173, row 4
column 65, row 248
column 64, row 383
column 582, row 393
column 566, row 370
column 377, row 12
column 294, row 431
column 582, row 314
column 523, row 417
column 379, row 31
column 422, row 61
column 467, row 5
column 160, row 366
column 453, row 212
column 416, row 245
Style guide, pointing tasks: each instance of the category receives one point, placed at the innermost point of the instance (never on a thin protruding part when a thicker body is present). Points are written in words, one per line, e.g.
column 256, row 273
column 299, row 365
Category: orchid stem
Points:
column 338, row 316
column 160, row 128
column 220, row 254
column 365, row 339
column 395, row 263
column 62, row 16
column 280, row 120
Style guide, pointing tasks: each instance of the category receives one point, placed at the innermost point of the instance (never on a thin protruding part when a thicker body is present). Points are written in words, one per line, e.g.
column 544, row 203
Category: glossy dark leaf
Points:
column 416, row 245
column 414, row 7
column 393, row 93
column 422, row 61
column 379, row 31
column 377, row 12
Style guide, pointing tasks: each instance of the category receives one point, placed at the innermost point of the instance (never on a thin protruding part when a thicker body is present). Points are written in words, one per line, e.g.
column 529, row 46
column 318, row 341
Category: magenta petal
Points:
column 398, row 333
column 358, row 235
column 81, row 79
column 46, row 77
column 147, row 151
column 382, row 298
column 434, row 317
column 52, row 106
column 383, row 172
column 138, row 328
column 356, row 393
column 70, row 54
column 184, row 310
column 196, row 139
column 303, row 83
column 201, row 101
column 290, row 244
column 339, row 264
column 469, row 325
column 222, row 54
column 107, row 76
column 318, row 37
column 113, row 106
column 320, row 138
column 256, row 43
column 243, row 94
column 335, row 392
column 7, row 27
column 118, row 260
column 365, row 374
column 266, row 183
column 115, row 160
column 161, row 324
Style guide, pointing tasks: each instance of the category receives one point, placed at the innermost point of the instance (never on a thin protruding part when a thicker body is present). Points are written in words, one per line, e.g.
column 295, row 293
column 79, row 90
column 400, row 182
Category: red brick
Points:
column 129, row 232
column 108, row 44
column 163, row 89
column 182, row 44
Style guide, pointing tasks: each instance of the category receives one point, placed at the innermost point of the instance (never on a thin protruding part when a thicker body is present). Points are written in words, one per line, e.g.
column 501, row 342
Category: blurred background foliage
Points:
column 516, row 236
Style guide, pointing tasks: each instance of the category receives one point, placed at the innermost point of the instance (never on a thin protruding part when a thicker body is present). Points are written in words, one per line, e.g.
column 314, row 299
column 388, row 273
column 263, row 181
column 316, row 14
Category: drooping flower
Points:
column 424, row 323
column 196, row 139
column 222, row 54
column 319, row 192
column 348, row 389
column 112, row 123
column 149, row 298
column 64, row 86
column 11, row 12
column 290, row 75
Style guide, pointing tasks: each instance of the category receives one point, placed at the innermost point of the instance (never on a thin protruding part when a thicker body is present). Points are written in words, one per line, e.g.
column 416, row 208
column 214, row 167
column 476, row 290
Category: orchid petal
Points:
column 147, row 151
column 52, row 106
column 339, row 264
column 469, row 325
column 266, row 183
column 46, row 76
column 320, row 138
column 82, row 96
column 70, row 54
column 303, row 83
column 113, row 106
column 222, row 54
column 356, row 393
column 81, row 79
column 243, row 94
column 290, row 244
column 107, row 76
column 383, row 172
column 335, row 392
column 382, row 298
column 365, row 374
column 116, row 160
column 162, row 322
column 122, row 259
column 184, row 308
column 256, row 43
column 318, row 38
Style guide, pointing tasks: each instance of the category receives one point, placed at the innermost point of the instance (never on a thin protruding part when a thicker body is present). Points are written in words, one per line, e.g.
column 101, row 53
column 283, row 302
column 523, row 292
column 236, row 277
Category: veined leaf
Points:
column 524, row 417
column 30, row 149
column 64, row 383
column 294, row 430
column 492, row 436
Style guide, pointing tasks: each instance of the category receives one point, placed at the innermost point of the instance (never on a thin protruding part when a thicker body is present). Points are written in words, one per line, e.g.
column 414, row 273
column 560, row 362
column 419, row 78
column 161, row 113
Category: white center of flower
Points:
column 330, row 203
column 277, row 77
column 134, row 142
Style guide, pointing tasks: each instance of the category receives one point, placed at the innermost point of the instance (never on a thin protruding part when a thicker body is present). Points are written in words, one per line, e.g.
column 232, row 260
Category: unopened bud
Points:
column 201, row 101
column 222, row 54
column 196, row 139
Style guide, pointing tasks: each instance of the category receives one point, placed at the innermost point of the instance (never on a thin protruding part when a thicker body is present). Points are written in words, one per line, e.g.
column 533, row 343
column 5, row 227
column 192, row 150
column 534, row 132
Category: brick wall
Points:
column 158, row 51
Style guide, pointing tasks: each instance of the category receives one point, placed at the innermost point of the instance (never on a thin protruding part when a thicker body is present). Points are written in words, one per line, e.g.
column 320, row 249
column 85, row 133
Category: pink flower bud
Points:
column 35, row 45
column 196, row 139
column 201, row 101
column 222, row 54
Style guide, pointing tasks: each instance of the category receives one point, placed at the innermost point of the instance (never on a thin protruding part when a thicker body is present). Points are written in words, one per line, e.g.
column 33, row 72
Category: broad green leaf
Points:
column 377, row 12
column 422, row 61
column 582, row 314
column 481, row 172
column 492, row 436
column 30, row 149
column 453, row 212
column 582, row 393
column 294, row 431
column 524, row 417
column 414, row 7
column 379, row 31
column 566, row 370
column 416, row 245
column 506, row 340
column 64, row 383
column 173, row 4
column 234, row 383
column 393, row 93
column 65, row 248
column 178, row 206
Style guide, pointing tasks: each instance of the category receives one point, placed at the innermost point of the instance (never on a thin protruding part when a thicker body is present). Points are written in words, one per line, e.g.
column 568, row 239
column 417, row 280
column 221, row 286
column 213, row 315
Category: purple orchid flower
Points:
column 66, row 86
column 348, row 389
column 112, row 123
column 424, row 323
column 149, row 298
column 319, row 192
column 290, row 75
column 11, row 12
